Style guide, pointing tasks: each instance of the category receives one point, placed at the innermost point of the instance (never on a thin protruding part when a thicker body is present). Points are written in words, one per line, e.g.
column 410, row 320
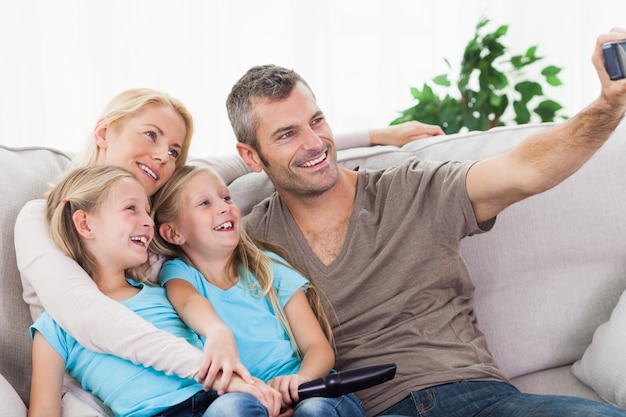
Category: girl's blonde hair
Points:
column 81, row 189
column 250, row 253
column 128, row 103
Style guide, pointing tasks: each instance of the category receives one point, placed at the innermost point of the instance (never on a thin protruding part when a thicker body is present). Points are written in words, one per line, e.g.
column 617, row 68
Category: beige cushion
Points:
column 603, row 365
column 11, row 403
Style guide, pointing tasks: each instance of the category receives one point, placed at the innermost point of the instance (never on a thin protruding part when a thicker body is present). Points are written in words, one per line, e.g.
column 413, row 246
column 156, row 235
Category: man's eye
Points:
column 317, row 121
column 174, row 153
column 286, row 135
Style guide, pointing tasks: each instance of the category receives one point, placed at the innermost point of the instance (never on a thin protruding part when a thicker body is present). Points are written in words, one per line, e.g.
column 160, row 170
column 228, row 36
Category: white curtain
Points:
column 62, row 60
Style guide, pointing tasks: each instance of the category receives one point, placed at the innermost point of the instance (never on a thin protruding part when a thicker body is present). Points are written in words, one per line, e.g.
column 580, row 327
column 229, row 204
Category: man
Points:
column 384, row 245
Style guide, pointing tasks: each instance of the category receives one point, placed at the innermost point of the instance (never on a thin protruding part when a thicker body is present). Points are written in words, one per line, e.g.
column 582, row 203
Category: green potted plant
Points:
column 489, row 81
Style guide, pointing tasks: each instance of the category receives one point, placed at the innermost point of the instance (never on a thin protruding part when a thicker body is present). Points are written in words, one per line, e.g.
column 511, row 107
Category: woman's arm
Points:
column 74, row 301
column 396, row 135
column 47, row 381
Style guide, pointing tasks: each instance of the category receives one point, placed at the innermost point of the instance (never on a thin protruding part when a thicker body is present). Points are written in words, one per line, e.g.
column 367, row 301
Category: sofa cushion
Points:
column 25, row 173
column 558, row 381
column 553, row 267
column 603, row 365
column 12, row 405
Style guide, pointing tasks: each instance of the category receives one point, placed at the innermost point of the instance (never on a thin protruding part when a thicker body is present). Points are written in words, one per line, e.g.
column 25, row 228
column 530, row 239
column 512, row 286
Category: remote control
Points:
column 345, row 382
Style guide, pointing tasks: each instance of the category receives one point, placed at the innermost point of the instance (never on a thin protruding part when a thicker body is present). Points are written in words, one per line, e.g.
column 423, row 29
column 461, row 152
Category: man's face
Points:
column 295, row 145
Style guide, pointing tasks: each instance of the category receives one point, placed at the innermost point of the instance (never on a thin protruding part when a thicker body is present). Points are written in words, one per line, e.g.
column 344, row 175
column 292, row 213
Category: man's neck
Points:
column 323, row 220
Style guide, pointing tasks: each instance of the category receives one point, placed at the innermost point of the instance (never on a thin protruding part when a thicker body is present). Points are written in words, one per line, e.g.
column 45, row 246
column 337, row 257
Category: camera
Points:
column 615, row 59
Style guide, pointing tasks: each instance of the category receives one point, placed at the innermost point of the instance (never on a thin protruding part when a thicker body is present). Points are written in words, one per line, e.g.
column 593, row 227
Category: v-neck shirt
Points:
column 398, row 290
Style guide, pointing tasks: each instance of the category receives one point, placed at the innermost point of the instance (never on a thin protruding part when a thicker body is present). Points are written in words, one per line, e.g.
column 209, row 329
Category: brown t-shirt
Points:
column 399, row 290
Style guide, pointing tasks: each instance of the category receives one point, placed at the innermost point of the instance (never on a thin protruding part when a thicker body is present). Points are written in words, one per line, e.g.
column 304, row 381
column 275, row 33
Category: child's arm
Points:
column 47, row 381
column 220, row 350
column 318, row 355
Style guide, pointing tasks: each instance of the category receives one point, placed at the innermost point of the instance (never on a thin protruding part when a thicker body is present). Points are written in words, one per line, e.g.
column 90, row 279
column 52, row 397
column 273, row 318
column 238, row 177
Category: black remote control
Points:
column 345, row 382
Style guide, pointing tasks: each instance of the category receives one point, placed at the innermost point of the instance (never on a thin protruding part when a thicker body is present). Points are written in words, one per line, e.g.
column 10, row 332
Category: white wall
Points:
column 63, row 60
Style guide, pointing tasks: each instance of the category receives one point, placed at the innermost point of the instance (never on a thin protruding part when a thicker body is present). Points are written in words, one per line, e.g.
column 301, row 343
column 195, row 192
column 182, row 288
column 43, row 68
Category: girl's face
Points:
column 146, row 144
column 121, row 228
column 208, row 221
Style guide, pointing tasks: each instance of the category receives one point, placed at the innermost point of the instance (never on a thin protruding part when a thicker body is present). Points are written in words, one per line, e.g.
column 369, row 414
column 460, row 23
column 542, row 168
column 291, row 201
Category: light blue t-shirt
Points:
column 128, row 389
column 264, row 346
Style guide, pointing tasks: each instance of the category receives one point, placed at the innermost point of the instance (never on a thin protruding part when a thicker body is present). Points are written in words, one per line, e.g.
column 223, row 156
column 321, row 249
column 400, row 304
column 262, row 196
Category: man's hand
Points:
column 398, row 135
column 613, row 91
column 221, row 358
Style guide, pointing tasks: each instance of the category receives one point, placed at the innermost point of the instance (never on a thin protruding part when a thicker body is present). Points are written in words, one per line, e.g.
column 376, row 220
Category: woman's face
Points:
column 146, row 143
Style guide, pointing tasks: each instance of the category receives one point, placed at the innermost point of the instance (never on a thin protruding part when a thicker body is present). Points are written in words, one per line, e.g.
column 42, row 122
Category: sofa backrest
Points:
column 25, row 175
column 546, row 276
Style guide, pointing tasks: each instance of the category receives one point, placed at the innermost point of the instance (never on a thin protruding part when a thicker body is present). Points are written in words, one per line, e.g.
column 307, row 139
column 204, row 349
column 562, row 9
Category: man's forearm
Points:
column 554, row 154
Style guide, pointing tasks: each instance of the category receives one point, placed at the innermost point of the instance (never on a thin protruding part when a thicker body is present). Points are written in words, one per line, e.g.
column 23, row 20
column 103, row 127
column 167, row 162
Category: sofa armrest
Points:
column 12, row 405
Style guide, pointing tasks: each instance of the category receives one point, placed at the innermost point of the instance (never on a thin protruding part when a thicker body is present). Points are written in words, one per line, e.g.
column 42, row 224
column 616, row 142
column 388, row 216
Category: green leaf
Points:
column 550, row 70
column 416, row 93
column 522, row 115
column 442, row 80
column 482, row 23
column 501, row 31
column 530, row 52
column 553, row 81
column 517, row 61
column 547, row 110
column 528, row 90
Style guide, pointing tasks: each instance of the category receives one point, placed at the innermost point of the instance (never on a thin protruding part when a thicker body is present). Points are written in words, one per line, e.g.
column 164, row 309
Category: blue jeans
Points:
column 209, row 404
column 493, row 399
column 344, row 406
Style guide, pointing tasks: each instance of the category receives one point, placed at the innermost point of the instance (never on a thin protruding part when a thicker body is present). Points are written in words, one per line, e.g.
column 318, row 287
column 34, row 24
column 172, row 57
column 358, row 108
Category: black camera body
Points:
column 615, row 59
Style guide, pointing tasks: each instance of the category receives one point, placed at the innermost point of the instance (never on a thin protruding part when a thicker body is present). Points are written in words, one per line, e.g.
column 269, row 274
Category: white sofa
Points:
column 549, row 273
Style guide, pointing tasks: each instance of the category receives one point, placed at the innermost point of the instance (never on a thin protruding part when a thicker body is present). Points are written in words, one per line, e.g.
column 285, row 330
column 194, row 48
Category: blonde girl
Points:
column 282, row 333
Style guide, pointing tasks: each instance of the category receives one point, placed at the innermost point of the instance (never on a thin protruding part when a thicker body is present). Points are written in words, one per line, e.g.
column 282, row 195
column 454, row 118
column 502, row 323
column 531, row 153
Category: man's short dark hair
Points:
column 260, row 83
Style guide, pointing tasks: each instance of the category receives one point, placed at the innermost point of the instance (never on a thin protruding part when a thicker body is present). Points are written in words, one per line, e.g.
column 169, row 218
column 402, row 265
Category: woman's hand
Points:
column 221, row 358
column 267, row 395
column 398, row 135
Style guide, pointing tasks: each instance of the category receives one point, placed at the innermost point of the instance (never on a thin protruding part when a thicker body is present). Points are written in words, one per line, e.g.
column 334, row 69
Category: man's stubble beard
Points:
column 287, row 182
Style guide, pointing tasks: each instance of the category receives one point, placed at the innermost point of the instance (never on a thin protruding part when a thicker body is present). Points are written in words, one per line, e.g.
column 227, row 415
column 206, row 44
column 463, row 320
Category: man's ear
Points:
column 250, row 156
column 169, row 233
column 80, row 219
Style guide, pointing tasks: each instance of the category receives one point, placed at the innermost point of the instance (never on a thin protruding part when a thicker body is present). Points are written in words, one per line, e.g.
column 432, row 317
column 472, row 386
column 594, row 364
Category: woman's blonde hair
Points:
column 249, row 253
column 128, row 103
column 81, row 189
